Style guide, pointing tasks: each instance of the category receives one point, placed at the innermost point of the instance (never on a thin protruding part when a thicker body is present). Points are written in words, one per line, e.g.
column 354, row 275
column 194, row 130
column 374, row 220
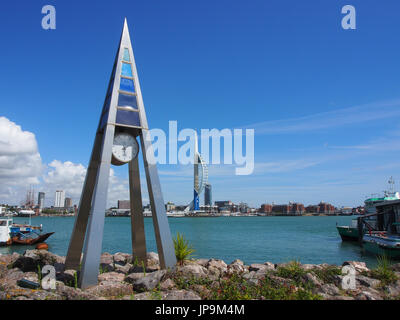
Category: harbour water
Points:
column 252, row 239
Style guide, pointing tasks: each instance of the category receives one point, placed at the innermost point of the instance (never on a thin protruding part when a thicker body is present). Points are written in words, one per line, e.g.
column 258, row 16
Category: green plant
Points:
column 183, row 249
column 144, row 268
column 383, row 272
column 292, row 270
column 76, row 280
column 39, row 271
column 327, row 274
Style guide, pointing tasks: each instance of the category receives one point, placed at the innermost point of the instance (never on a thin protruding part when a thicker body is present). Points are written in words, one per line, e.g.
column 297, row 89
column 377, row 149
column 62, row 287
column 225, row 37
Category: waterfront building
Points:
column 124, row 204
column 326, row 208
column 208, row 195
column 266, row 208
column 226, row 206
column 281, row 209
column 296, row 209
column 59, row 201
column 41, row 196
column 68, row 203
column 244, row 207
column 312, row 209
column 170, row 206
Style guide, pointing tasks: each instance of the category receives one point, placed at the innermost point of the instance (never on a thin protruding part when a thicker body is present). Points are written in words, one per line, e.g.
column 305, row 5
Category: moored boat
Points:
column 11, row 233
column 382, row 244
column 349, row 233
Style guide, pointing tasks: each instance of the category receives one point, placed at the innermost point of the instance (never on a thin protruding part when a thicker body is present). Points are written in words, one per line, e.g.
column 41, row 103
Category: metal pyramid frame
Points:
column 123, row 111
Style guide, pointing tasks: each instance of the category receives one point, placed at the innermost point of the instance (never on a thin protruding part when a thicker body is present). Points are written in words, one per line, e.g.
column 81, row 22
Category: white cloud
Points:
column 20, row 162
column 69, row 176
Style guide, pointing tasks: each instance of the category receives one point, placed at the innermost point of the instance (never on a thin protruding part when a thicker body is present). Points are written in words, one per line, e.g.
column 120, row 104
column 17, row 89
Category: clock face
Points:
column 125, row 147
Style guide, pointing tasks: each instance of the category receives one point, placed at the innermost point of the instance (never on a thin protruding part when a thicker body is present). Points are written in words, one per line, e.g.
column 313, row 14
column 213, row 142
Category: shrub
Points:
column 327, row 274
column 183, row 250
column 292, row 270
column 383, row 272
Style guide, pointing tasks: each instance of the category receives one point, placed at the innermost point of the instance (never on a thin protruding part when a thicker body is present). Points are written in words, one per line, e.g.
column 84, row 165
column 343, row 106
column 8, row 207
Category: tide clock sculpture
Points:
column 122, row 122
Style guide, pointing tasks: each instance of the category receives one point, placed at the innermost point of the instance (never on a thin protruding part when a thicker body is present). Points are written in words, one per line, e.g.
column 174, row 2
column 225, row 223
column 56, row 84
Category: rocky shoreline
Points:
column 198, row 279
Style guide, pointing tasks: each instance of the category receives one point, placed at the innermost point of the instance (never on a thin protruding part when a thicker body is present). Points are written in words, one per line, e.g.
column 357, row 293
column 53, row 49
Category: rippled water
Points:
column 251, row 239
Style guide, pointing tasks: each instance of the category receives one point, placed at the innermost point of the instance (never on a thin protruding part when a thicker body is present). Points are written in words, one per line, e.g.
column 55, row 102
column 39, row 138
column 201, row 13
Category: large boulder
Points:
column 180, row 295
column 358, row 266
column 191, row 271
column 216, row 268
column 32, row 260
column 110, row 289
column 121, row 258
column 329, row 289
column 149, row 282
column 111, row 276
column 312, row 279
column 10, row 278
column 367, row 282
column 202, row 262
column 133, row 277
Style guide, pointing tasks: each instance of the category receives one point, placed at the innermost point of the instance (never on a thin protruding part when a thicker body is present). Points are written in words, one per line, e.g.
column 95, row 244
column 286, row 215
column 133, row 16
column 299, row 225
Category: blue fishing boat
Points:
column 11, row 233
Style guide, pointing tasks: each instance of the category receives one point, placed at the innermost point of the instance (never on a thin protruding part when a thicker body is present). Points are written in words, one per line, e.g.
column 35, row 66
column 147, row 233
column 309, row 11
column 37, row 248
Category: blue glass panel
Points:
column 126, row 55
column 127, row 100
column 126, row 69
column 127, row 85
column 130, row 118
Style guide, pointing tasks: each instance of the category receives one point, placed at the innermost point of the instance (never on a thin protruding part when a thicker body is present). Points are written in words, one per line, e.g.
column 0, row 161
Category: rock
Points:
column 28, row 262
column 340, row 298
column 311, row 278
column 111, row 276
column 120, row 258
column 110, row 289
column 153, row 256
column 10, row 278
column 201, row 290
column 180, row 295
column 270, row 266
column 123, row 269
column 132, row 277
column 395, row 267
column 68, row 277
column 106, row 267
column 367, row 282
column 43, row 295
column 69, row 293
column 106, row 258
column 139, row 269
column 393, row 290
column 329, row 289
column 7, row 260
column 140, row 296
column 216, row 263
column 149, row 282
column 358, row 266
column 31, row 276
column 216, row 268
column 167, row 284
column 192, row 270
column 371, row 294
column 256, row 267
column 153, row 261
column 202, row 262
column 308, row 267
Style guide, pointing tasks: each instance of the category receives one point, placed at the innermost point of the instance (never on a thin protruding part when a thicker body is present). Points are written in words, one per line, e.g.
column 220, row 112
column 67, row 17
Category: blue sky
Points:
column 324, row 101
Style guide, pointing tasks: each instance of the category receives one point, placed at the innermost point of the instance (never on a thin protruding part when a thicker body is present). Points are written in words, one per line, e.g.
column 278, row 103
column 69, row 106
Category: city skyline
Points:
column 325, row 120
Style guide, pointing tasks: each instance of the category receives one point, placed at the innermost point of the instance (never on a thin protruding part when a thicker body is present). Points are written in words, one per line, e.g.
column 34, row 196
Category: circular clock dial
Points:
column 125, row 147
